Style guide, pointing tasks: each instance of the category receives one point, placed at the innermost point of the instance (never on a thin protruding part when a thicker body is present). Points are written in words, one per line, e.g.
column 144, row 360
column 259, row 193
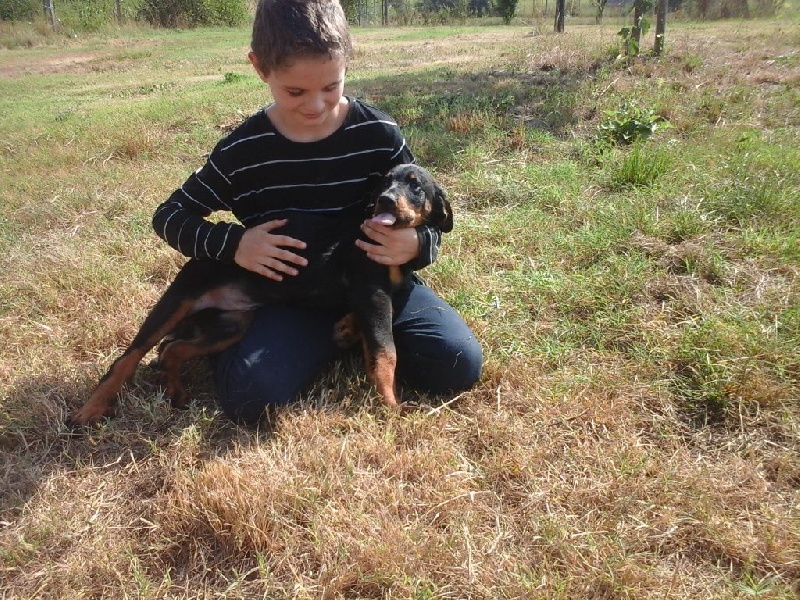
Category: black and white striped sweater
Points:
column 259, row 175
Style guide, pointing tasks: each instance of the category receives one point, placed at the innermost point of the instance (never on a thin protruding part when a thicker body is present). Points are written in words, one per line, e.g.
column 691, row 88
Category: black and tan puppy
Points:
column 209, row 305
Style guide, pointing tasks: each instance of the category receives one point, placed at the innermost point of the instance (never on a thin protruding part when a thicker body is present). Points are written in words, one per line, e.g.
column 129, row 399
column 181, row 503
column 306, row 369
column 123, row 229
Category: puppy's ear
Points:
column 441, row 212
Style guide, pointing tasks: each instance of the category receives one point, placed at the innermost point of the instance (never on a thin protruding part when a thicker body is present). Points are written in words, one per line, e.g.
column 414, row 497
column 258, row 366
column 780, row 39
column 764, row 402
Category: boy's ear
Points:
column 262, row 73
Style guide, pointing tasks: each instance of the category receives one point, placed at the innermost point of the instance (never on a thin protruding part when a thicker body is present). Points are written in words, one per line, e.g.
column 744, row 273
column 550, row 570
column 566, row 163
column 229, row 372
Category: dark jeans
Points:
column 286, row 348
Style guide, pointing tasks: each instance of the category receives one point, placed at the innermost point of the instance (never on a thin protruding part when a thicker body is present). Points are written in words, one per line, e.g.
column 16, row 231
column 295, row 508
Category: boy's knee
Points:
column 245, row 393
column 454, row 368
column 467, row 365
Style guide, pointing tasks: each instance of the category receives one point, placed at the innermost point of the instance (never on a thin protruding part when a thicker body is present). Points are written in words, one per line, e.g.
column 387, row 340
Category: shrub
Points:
column 506, row 9
column 190, row 13
column 630, row 123
column 226, row 12
column 19, row 10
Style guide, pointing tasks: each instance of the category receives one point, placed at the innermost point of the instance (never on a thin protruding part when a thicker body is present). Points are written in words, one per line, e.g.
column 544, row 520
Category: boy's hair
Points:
column 287, row 29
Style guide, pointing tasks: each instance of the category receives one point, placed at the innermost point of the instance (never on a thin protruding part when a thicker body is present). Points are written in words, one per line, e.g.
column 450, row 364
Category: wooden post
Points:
column 661, row 27
column 50, row 12
column 119, row 11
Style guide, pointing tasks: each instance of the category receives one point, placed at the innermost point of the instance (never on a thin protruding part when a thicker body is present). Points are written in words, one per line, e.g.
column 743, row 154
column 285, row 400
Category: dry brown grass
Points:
column 636, row 431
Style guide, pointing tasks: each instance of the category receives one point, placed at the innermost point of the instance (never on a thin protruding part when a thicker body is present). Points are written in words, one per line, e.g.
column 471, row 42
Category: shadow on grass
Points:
column 35, row 443
column 445, row 111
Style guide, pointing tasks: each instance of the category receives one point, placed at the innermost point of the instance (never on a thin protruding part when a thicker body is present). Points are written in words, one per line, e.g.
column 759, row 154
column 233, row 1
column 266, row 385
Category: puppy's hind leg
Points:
column 214, row 331
column 166, row 314
column 347, row 332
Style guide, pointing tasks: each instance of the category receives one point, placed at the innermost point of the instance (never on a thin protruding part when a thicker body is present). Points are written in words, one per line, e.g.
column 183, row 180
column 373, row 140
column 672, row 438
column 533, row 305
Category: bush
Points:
column 86, row 15
column 628, row 124
column 19, row 10
column 506, row 9
column 190, row 13
column 226, row 12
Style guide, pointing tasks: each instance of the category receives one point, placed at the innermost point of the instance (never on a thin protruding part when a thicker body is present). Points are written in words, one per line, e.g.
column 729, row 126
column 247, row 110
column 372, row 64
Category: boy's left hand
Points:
column 392, row 247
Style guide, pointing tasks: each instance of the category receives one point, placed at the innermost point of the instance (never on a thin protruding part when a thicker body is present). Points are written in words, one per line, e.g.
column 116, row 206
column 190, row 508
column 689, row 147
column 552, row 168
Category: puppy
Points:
column 209, row 305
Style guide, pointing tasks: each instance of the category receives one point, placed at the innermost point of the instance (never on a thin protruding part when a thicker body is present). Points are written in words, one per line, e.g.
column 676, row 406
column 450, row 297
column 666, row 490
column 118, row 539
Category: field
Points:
column 636, row 431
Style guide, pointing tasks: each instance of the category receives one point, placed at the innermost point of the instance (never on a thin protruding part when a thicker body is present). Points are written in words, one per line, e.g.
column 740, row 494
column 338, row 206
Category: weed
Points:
column 231, row 77
column 641, row 167
column 628, row 124
column 691, row 63
column 753, row 587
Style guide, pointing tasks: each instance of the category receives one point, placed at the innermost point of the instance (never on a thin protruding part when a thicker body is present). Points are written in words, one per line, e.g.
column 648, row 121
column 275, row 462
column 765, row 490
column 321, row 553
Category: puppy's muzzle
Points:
column 386, row 203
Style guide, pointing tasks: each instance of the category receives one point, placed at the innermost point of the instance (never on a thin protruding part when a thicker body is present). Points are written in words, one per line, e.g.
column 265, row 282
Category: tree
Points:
column 661, row 26
column 479, row 8
column 631, row 36
column 561, row 9
column 506, row 9
column 638, row 15
column 601, row 6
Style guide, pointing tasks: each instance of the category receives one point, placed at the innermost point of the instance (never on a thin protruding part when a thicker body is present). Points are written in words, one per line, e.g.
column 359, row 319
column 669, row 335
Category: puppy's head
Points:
column 408, row 197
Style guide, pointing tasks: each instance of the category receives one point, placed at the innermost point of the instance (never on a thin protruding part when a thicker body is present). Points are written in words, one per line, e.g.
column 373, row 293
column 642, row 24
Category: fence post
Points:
column 50, row 12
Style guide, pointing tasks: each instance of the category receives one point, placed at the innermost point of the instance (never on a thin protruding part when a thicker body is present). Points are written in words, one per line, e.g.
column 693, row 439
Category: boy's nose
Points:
column 317, row 102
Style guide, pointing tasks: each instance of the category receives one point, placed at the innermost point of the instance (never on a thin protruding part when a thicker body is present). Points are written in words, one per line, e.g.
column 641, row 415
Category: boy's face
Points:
column 307, row 94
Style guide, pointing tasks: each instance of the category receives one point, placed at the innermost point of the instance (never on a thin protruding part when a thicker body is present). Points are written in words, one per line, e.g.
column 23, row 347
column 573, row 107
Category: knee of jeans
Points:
column 245, row 392
column 449, row 370
column 467, row 366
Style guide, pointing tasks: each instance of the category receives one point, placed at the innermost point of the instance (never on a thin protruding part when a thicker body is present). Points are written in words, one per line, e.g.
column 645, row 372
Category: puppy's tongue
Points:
column 384, row 219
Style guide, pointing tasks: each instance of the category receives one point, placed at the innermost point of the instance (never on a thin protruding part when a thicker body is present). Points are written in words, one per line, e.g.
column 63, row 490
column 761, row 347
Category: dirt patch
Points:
column 74, row 63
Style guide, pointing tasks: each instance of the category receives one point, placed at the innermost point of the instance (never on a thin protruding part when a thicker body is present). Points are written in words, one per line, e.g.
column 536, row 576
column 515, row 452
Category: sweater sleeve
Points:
column 182, row 220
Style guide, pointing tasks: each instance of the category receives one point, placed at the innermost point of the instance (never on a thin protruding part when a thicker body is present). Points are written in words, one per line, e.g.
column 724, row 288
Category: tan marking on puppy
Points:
column 396, row 276
column 407, row 214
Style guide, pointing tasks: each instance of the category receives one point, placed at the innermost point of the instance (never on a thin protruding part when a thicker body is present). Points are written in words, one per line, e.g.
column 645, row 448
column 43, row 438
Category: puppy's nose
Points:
column 386, row 201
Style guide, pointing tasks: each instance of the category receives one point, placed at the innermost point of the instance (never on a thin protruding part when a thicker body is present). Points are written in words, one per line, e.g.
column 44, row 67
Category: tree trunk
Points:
column 119, row 12
column 661, row 27
column 560, row 9
column 636, row 31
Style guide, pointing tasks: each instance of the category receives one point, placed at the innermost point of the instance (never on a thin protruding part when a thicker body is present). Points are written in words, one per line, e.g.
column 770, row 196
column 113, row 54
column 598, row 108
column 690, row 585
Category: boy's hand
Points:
column 392, row 247
column 263, row 252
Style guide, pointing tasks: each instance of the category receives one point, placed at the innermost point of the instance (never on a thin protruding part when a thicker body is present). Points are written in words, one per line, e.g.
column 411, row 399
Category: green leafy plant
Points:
column 629, row 123
column 19, row 10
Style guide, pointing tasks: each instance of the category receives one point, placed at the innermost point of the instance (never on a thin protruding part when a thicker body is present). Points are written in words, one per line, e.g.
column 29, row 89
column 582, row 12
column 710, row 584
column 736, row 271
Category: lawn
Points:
column 636, row 431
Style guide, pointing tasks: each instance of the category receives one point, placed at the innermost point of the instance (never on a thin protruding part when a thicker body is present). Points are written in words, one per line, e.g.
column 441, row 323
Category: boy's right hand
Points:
column 263, row 252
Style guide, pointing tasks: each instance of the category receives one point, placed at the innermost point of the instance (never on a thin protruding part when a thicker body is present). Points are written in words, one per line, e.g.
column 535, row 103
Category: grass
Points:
column 636, row 430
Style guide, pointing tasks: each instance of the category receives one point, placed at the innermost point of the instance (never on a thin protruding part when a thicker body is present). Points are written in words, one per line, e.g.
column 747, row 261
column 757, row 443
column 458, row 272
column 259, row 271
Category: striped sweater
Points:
column 258, row 175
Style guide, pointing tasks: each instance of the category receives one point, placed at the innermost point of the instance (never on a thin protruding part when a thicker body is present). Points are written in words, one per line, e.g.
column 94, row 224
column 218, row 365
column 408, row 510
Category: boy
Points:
column 312, row 153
